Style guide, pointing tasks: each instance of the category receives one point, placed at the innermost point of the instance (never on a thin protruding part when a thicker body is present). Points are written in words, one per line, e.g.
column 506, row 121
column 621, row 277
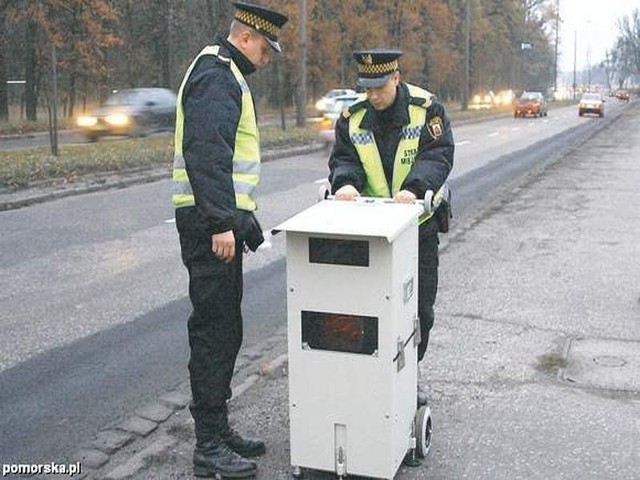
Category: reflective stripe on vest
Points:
column 365, row 144
column 246, row 151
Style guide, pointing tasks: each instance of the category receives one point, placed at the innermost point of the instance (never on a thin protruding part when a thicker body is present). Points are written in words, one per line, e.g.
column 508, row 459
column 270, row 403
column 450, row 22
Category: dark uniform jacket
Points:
column 212, row 102
column 434, row 159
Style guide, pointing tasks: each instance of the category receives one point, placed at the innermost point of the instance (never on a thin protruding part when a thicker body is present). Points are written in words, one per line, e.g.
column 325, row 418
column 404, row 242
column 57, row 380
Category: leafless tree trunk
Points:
column 215, row 13
column 4, row 91
column 4, row 41
column 31, row 95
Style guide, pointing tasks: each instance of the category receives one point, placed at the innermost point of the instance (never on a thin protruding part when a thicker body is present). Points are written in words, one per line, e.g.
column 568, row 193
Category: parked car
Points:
column 591, row 102
column 328, row 123
column 131, row 112
column 530, row 103
column 326, row 102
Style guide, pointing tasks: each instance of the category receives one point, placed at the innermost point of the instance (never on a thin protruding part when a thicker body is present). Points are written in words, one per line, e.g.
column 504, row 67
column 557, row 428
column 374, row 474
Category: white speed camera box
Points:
column 352, row 278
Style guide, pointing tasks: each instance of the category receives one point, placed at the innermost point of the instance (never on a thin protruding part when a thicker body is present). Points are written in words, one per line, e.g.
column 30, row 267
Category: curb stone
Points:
column 155, row 412
column 141, row 459
column 138, row 425
column 90, row 458
column 109, row 442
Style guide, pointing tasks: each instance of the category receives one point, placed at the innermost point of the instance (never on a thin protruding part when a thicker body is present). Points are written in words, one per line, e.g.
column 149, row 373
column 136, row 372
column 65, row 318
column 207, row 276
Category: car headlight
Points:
column 326, row 123
column 117, row 119
column 86, row 121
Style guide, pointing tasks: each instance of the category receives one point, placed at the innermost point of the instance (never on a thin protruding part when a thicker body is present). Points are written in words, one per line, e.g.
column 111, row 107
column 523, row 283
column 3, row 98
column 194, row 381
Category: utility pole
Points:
column 575, row 55
column 467, row 59
column 589, row 66
column 555, row 63
column 589, row 56
column 54, row 104
column 301, row 117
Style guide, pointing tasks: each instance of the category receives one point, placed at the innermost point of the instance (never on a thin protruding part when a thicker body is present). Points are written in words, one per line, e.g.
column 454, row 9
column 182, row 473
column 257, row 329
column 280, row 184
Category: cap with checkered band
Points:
column 263, row 20
column 375, row 67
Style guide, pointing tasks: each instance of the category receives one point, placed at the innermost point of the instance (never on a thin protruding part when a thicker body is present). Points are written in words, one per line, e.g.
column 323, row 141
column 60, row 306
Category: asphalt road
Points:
column 94, row 295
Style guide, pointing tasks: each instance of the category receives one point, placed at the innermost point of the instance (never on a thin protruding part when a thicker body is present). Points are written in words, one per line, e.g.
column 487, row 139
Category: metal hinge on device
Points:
column 400, row 357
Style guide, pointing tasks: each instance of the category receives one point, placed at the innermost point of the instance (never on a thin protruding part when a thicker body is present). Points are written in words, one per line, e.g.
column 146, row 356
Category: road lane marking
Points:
column 171, row 220
column 463, row 142
column 493, row 134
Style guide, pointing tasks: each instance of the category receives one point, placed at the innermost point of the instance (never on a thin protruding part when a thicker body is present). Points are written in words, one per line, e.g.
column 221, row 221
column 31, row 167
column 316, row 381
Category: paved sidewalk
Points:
column 534, row 365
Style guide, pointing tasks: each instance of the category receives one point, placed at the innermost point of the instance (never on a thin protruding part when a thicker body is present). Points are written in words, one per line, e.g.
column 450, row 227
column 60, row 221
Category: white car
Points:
column 328, row 122
column 327, row 100
column 591, row 103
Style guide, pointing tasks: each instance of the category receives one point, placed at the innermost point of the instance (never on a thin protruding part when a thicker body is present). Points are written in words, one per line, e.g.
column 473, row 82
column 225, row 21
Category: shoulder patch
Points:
column 436, row 128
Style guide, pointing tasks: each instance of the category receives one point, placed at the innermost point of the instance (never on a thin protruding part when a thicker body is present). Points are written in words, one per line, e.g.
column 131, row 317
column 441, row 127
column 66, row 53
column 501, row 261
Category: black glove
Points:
column 248, row 230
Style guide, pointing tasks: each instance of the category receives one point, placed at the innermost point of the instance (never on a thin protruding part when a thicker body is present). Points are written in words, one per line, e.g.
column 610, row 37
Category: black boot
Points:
column 246, row 447
column 213, row 459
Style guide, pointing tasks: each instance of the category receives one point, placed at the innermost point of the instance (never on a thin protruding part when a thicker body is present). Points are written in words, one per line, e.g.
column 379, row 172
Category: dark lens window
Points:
column 339, row 252
column 339, row 332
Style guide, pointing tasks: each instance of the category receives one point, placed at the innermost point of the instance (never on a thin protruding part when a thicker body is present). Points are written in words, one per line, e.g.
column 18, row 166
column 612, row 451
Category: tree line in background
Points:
column 103, row 45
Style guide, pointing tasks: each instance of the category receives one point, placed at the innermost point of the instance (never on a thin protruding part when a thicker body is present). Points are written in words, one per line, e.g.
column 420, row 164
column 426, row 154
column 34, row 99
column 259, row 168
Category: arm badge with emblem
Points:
column 436, row 129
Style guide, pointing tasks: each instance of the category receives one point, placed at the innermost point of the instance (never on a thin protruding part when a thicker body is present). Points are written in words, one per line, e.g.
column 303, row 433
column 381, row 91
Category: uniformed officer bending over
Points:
column 396, row 142
column 216, row 168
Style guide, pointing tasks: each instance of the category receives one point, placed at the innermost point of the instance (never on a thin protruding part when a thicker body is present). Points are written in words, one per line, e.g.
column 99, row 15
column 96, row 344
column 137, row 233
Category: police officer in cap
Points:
column 397, row 142
column 216, row 169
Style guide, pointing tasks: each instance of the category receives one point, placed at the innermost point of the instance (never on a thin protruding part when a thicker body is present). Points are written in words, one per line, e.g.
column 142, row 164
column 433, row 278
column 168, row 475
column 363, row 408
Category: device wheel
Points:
column 423, row 431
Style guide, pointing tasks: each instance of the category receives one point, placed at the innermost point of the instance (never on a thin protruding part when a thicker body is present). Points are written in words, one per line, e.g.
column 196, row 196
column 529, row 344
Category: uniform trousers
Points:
column 427, row 283
column 214, row 326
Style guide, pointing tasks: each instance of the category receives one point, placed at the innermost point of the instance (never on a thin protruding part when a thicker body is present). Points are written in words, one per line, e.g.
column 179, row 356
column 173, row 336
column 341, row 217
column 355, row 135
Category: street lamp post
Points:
column 589, row 67
column 467, row 59
column 54, row 103
column 555, row 61
column 589, row 55
column 575, row 55
column 301, row 118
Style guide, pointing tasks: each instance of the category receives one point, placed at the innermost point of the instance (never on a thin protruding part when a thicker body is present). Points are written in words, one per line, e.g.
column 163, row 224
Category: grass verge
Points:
column 29, row 167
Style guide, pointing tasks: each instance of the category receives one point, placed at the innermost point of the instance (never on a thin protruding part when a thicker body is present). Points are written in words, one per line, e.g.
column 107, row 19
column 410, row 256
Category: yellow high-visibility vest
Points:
column 246, row 152
column 365, row 145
